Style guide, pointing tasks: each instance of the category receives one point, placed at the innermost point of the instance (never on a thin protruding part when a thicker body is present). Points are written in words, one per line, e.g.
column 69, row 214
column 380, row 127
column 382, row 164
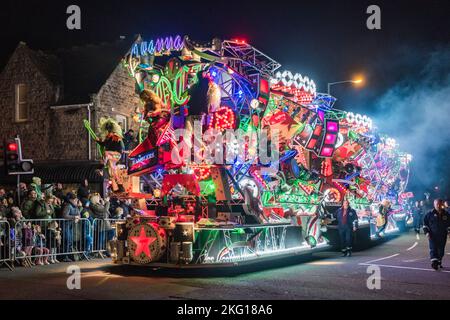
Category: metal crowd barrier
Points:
column 45, row 241
column 42, row 241
column 103, row 230
column 6, row 245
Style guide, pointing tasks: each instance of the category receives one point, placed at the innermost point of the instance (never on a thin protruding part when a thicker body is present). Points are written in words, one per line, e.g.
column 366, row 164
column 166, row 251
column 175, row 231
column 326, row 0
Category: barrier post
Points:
column 5, row 245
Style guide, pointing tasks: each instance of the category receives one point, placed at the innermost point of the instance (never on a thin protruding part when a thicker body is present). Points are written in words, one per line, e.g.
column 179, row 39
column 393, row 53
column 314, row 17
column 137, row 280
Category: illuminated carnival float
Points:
column 239, row 162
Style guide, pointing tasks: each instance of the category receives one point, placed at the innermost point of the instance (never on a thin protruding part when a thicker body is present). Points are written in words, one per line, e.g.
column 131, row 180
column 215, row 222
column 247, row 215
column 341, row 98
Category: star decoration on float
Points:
column 143, row 243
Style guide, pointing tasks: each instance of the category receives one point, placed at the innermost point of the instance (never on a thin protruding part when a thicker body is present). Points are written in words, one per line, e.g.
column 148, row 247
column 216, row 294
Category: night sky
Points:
column 325, row 40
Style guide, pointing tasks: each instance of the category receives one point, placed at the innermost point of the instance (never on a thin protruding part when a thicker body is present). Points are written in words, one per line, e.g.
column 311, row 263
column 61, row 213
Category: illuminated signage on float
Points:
column 158, row 46
column 145, row 160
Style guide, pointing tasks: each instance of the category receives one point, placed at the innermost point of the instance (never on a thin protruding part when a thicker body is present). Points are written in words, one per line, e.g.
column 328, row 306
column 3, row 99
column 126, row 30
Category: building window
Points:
column 122, row 121
column 21, row 103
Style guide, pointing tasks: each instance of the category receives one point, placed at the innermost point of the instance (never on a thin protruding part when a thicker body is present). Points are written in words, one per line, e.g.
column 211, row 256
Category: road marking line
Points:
column 369, row 262
column 413, row 246
column 400, row 267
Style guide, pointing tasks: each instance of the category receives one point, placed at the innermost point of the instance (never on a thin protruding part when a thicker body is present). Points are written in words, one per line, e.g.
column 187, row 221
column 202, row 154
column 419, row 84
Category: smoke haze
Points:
column 416, row 112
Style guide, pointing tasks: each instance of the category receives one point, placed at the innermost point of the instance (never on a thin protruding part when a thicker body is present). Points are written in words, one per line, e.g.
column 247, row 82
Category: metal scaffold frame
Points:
column 242, row 57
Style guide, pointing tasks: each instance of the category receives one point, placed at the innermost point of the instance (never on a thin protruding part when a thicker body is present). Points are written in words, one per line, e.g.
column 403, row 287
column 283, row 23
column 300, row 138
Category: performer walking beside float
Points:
column 347, row 224
column 383, row 216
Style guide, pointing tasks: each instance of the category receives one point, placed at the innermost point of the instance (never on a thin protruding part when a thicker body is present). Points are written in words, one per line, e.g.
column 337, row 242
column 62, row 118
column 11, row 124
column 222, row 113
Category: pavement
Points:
column 403, row 264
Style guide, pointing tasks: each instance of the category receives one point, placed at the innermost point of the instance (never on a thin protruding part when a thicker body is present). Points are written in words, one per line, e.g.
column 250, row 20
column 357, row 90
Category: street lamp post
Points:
column 340, row 82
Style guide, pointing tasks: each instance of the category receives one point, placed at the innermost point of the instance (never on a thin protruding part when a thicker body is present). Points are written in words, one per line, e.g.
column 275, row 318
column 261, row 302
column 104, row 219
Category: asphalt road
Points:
column 403, row 262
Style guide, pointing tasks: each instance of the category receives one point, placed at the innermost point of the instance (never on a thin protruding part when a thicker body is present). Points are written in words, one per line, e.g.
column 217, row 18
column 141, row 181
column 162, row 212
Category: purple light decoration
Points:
column 321, row 115
column 332, row 126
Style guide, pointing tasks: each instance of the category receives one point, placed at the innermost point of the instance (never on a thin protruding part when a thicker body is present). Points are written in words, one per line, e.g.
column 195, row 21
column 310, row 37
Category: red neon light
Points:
column 223, row 119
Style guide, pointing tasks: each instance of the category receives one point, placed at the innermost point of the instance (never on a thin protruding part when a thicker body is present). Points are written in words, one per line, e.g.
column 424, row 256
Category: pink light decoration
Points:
column 330, row 138
column 327, row 152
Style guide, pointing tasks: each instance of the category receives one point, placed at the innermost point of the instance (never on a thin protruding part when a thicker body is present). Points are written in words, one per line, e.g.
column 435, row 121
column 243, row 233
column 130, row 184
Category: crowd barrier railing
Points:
column 103, row 230
column 6, row 245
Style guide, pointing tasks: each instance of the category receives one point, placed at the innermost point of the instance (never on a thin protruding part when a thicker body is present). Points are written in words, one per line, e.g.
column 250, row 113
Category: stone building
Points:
column 45, row 96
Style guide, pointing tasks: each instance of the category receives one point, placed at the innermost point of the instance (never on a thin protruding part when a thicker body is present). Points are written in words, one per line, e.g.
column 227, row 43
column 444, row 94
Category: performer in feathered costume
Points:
column 155, row 113
column 112, row 140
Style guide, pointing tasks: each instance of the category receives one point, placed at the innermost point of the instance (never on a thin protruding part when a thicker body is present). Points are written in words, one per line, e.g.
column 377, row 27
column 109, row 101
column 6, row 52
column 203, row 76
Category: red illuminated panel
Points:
column 317, row 131
column 311, row 143
column 264, row 87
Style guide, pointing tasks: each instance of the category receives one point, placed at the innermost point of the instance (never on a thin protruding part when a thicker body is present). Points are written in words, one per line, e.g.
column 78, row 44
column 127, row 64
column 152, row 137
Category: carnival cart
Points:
column 238, row 162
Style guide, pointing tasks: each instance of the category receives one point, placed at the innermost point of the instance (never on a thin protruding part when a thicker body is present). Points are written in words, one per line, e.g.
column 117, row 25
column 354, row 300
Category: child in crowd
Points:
column 39, row 246
column 53, row 240
column 16, row 234
column 27, row 239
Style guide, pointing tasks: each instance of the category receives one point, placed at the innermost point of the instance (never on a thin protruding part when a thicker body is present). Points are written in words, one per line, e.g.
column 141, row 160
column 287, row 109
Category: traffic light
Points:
column 14, row 164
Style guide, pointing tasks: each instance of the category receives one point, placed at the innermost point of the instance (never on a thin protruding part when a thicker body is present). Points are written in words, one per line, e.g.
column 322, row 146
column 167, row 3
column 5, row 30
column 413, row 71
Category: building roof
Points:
column 48, row 64
column 85, row 69
column 80, row 70
column 63, row 171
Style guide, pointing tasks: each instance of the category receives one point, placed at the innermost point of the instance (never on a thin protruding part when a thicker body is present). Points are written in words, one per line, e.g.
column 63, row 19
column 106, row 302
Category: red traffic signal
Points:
column 12, row 146
column 13, row 162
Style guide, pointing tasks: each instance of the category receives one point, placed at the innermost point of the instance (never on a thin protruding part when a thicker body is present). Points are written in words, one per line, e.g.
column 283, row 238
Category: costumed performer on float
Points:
column 112, row 140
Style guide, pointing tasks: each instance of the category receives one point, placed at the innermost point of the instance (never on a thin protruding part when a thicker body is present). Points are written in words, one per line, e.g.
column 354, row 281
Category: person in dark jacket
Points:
column 129, row 140
column 436, row 225
column 417, row 218
column 102, row 224
column 347, row 224
column 29, row 204
column 59, row 191
column 83, row 191
column 71, row 214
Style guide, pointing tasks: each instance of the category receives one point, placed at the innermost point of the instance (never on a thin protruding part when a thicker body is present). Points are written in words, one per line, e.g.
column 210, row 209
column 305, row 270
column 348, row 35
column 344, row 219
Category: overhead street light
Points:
column 355, row 81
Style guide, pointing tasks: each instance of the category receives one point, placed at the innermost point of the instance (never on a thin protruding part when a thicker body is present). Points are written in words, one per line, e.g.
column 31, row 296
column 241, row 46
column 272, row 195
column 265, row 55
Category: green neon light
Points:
column 207, row 187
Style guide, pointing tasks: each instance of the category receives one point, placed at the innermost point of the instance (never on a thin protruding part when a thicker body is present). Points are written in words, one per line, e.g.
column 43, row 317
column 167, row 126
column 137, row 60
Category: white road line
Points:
column 400, row 267
column 369, row 262
column 413, row 246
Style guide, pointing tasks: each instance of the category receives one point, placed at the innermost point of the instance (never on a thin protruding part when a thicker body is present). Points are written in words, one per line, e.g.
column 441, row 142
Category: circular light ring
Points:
column 350, row 117
column 358, row 119
column 288, row 79
column 254, row 104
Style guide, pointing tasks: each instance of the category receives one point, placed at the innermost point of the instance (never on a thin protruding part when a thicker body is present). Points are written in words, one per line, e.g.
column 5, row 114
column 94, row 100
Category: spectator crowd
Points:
column 43, row 224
